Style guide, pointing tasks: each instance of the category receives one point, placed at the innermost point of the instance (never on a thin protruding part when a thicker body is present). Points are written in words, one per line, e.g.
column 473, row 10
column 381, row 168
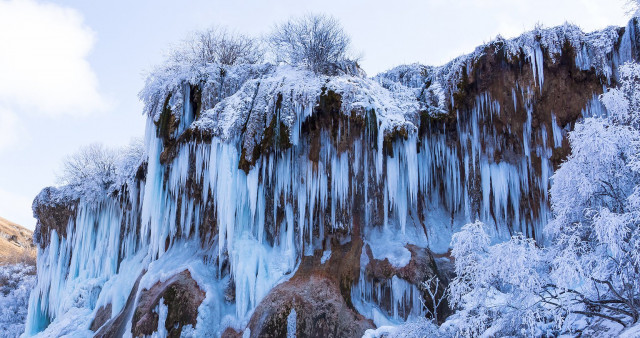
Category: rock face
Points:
column 182, row 296
column 319, row 292
column 317, row 204
column 319, row 308
column 53, row 211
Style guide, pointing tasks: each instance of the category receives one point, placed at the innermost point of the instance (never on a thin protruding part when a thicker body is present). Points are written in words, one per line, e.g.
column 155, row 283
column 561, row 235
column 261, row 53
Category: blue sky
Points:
column 70, row 70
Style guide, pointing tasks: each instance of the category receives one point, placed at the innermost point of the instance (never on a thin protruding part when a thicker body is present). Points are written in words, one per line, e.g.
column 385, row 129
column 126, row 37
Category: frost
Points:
column 16, row 282
column 225, row 187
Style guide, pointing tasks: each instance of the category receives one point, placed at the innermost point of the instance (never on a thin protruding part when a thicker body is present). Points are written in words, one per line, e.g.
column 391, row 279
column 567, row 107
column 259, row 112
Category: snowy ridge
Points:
column 602, row 51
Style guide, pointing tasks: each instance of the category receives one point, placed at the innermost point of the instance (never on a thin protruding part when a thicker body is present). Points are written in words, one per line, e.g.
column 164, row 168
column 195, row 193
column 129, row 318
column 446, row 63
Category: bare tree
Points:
column 437, row 293
column 218, row 45
column 316, row 41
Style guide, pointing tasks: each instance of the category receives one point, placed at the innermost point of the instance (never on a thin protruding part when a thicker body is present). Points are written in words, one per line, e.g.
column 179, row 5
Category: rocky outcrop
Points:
column 320, row 311
column 52, row 209
column 421, row 267
column 180, row 294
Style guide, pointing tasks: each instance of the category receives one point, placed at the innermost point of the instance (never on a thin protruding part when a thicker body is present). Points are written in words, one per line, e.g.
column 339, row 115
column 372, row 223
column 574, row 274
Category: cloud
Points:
column 43, row 60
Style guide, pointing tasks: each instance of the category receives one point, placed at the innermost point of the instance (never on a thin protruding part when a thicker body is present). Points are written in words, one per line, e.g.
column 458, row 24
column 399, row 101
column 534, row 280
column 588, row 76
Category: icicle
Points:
column 536, row 58
column 557, row 132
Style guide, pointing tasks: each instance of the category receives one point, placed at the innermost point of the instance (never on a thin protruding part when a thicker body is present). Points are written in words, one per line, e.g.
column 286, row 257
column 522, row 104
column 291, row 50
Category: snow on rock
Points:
column 598, row 51
column 289, row 94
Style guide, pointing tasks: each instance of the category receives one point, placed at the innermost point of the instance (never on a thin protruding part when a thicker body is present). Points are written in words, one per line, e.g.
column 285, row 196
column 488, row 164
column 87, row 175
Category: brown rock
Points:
column 102, row 316
column 116, row 326
column 321, row 311
column 231, row 333
column 420, row 268
column 181, row 294
column 53, row 212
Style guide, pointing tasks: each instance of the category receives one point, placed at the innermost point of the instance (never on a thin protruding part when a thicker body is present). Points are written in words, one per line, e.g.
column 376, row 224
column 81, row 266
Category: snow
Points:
column 413, row 328
column 380, row 331
column 632, row 332
column 387, row 245
column 291, row 324
column 16, row 283
column 74, row 324
column 285, row 206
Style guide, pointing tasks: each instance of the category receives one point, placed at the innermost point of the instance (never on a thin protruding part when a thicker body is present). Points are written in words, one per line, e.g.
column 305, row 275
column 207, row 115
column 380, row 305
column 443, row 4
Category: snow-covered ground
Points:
column 16, row 283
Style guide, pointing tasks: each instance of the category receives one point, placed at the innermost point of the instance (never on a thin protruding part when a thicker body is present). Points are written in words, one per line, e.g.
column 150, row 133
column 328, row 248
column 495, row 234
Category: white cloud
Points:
column 43, row 60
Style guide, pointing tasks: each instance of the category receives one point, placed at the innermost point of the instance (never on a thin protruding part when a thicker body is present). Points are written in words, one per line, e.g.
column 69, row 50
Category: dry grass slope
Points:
column 16, row 244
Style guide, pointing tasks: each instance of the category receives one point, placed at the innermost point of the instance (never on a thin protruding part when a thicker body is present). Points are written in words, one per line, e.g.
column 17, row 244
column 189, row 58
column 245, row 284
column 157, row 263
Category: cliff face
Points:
column 275, row 199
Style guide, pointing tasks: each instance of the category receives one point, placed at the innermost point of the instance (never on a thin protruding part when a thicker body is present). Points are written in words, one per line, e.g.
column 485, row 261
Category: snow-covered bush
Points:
column 96, row 170
column 217, row 45
column 91, row 169
column 16, row 283
column 496, row 287
column 316, row 41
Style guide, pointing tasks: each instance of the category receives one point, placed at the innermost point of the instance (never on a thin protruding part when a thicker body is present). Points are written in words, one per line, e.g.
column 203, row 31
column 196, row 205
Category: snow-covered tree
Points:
column 634, row 7
column 96, row 170
column 591, row 264
column 496, row 289
column 596, row 202
column 316, row 41
column 92, row 166
column 217, row 45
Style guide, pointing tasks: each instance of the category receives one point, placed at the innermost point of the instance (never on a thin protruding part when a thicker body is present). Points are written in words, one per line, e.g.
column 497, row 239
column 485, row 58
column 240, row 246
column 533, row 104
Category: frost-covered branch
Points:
column 436, row 295
column 217, row 45
column 95, row 170
column 315, row 41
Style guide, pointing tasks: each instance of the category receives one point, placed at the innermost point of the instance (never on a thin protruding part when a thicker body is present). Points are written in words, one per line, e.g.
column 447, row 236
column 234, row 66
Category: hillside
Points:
column 16, row 244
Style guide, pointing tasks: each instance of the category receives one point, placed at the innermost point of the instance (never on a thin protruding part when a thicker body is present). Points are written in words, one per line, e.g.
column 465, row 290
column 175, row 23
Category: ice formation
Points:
column 252, row 167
